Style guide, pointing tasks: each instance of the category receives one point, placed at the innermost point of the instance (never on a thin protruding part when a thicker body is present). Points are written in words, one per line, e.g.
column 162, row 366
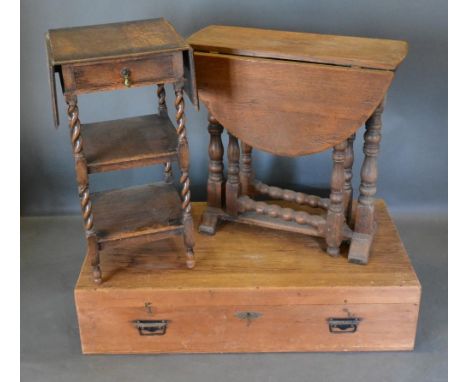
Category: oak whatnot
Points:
column 330, row 86
column 131, row 54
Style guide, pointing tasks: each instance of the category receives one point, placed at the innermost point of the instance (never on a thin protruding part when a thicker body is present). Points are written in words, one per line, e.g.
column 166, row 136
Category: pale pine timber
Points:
column 281, row 276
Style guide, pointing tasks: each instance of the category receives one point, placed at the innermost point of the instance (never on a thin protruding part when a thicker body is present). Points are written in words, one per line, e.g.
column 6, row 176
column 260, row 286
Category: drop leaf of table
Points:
column 293, row 94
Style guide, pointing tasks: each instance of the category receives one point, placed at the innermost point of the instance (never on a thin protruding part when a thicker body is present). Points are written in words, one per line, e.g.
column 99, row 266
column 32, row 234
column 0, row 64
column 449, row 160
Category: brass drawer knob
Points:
column 126, row 77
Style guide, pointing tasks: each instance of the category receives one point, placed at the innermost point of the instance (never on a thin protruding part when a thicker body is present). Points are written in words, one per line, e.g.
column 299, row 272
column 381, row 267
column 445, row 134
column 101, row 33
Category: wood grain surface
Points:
column 110, row 41
column 148, row 140
column 288, row 108
column 309, row 47
column 236, row 258
column 136, row 211
column 285, row 277
column 107, row 75
column 218, row 329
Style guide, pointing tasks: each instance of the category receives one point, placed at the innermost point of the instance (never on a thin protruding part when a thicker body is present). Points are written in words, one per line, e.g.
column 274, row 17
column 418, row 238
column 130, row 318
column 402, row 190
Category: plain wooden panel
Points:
column 148, row 140
column 218, row 329
column 309, row 47
column 110, row 41
column 288, row 108
column 136, row 211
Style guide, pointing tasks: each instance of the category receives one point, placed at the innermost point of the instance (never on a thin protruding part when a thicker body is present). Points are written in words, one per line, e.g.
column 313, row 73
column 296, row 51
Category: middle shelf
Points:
column 128, row 143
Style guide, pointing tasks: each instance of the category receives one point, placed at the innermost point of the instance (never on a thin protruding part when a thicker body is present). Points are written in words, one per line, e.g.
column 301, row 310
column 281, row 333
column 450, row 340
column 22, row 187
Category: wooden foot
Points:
column 189, row 241
column 359, row 249
column 209, row 221
column 93, row 254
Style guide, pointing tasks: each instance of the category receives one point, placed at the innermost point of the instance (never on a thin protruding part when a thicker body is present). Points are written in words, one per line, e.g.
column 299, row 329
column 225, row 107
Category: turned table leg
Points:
column 335, row 215
column 163, row 112
column 184, row 162
column 246, row 169
column 215, row 177
column 215, row 166
column 365, row 225
column 348, row 185
column 233, row 180
column 83, row 185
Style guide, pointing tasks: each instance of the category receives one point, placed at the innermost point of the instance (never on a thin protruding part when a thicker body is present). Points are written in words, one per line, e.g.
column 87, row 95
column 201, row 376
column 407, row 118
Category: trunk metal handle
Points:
column 343, row 325
column 151, row 327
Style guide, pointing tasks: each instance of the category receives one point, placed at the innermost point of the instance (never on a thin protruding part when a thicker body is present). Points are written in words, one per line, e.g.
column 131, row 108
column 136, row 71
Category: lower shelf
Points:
column 153, row 209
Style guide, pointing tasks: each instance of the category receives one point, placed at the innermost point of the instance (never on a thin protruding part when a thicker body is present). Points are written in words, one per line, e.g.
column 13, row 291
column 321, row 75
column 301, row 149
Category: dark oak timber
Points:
column 148, row 140
column 365, row 224
column 215, row 183
column 304, row 47
column 294, row 94
column 119, row 56
column 136, row 211
column 348, row 186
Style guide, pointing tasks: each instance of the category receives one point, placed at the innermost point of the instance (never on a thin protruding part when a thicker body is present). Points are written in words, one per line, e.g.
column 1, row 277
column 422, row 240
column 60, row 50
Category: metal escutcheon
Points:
column 248, row 316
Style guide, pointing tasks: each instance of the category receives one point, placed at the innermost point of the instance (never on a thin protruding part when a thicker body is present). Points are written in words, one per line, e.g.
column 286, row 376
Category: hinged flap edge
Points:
column 52, row 84
column 189, row 76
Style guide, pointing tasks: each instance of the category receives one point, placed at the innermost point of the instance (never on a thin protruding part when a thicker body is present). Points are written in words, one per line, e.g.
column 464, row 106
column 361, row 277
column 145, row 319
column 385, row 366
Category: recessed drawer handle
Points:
column 151, row 327
column 343, row 325
column 126, row 77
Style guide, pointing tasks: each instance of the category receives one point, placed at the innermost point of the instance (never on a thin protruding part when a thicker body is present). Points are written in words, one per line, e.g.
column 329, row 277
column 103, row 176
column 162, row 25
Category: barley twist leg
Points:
column 161, row 92
column 184, row 162
column 83, row 185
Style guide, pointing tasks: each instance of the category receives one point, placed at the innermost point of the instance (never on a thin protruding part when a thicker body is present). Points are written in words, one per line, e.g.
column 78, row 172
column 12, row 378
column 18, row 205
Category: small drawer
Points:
column 122, row 74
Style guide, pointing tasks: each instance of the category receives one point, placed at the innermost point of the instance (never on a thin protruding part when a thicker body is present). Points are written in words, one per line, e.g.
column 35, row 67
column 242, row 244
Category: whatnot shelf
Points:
column 149, row 210
column 129, row 143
